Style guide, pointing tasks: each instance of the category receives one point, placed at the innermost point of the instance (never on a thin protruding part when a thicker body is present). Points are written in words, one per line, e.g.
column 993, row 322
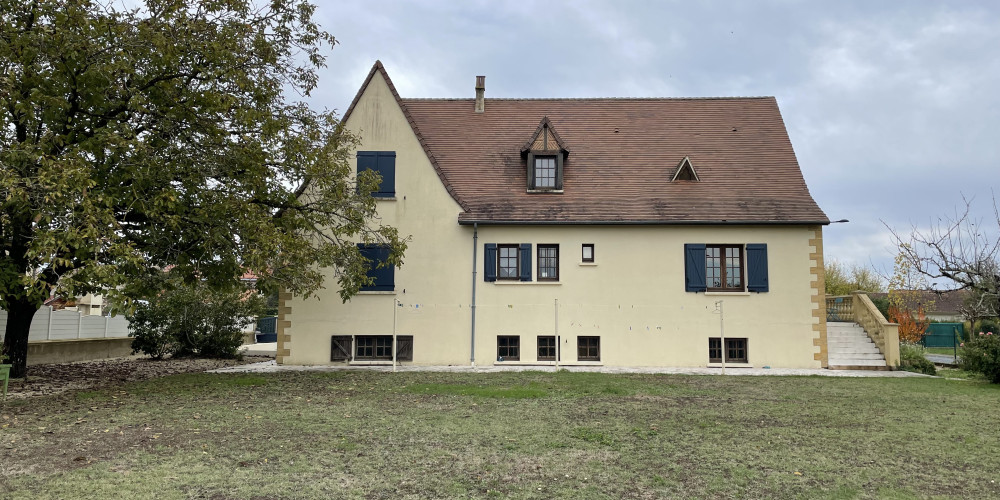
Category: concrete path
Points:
column 263, row 349
column 941, row 359
column 271, row 367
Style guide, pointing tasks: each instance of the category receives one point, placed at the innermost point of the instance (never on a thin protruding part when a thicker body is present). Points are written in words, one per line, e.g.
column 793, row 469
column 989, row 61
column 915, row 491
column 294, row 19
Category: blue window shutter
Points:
column 384, row 277
column 525, row 259
column 490, row 262
column 367, row 160
column 384, row 164
column 694, row 267
column 757, row 267
column 387, row 169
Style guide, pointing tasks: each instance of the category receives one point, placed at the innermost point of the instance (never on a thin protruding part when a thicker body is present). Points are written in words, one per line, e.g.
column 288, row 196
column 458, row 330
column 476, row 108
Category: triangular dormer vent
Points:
column 685, row 171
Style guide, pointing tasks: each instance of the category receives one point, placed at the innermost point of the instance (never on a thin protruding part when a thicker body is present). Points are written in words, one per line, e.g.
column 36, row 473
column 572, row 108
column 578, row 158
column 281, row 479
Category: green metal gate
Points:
column 943, row 334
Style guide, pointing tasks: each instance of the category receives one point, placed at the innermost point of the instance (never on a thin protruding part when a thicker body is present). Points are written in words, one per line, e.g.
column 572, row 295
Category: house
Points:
column 577, row 232
column 87, row 305
column 938, row 305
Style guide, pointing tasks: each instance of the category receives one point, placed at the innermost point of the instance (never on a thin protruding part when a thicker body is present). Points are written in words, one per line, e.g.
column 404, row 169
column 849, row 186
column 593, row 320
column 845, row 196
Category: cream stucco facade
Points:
column 632, row 296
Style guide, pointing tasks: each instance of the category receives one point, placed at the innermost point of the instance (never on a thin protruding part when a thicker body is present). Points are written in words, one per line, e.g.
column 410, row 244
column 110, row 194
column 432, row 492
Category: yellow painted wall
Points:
column 632, row 297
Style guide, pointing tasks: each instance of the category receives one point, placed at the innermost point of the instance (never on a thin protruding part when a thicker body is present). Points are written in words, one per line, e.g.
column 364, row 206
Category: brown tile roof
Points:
column 623, row 153
column 945, row 302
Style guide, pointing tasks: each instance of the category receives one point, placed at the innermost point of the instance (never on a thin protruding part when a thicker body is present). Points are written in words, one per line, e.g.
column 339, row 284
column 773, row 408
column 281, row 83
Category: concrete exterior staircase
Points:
column 848, row 347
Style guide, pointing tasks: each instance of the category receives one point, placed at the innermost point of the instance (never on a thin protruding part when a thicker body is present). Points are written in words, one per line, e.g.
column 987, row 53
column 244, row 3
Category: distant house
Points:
column 938, row 306
column 577, row 232
column 87, row 305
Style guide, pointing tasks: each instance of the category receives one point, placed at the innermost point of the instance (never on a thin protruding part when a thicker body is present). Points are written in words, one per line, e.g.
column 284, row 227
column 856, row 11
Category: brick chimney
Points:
column 480, row 94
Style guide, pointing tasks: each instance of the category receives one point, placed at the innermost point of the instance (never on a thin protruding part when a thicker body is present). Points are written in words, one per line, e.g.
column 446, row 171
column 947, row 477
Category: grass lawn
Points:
column 499, row 435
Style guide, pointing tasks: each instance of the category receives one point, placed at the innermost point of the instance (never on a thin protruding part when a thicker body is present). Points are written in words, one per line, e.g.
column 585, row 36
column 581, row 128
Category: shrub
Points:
column 981, row 354
column 985, row 325
column 882, row 304
column 911, row 359
column 193, row 320
column 912, row 324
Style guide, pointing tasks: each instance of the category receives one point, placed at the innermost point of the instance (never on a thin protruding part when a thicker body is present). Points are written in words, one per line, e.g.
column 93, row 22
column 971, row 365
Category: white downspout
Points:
column 394, row 346
column 475, row 248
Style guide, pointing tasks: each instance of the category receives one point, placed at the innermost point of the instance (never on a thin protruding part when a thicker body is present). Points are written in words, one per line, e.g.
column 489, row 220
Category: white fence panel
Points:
column 61, row 325
column 40, row 325
column 92, row 327
column 65, row 325
column 117, row 326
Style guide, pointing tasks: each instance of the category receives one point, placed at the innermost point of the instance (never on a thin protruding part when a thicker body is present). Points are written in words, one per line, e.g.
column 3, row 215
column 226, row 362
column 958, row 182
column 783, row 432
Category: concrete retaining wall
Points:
column 63, row 351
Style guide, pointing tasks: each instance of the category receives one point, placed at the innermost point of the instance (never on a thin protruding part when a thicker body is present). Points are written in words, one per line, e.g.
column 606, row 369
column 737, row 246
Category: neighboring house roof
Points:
column 944, row 303
column 624, row 152
column 58, row 303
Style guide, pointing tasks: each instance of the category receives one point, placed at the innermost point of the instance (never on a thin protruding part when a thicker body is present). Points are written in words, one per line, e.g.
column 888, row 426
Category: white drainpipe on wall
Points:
column 475, row 248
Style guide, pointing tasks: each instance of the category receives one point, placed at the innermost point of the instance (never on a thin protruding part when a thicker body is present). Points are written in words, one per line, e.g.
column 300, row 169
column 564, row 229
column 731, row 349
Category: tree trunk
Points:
column 15, row 345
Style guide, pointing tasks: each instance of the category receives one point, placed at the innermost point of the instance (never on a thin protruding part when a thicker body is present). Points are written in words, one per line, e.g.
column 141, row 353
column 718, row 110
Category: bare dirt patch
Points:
column 45, row 380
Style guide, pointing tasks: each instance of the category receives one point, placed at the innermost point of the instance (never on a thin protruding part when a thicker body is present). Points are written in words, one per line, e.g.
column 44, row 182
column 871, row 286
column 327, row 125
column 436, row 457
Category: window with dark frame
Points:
column 588, row 348
column 548, row 262
column 546, row 348
column 736, row 350
column 373, row 347
column 724, row 267
column 545, row 172
column 588, row 252
column 508, row 267
column 508, row 348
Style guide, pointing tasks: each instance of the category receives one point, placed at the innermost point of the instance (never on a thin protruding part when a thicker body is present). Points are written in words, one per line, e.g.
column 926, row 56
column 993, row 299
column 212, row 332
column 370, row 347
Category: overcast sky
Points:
column 893, row 108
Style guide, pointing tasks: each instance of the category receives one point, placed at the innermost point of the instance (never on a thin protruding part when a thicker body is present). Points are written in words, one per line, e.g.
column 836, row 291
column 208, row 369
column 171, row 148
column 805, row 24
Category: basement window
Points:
column 736, row 350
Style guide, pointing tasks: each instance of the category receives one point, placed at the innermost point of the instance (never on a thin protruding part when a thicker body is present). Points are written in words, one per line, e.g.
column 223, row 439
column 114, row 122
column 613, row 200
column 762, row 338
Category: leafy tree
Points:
column 907, row 304
column 193, row 319
column 960, row 252
column 133, row 140
column 842, row 280
column 982, row 300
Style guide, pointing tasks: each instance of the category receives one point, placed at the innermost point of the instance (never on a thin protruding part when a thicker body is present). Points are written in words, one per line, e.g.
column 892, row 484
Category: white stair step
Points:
column 846, row 353
column 842, row 333
column 848, row 346
column 856, row 362
column 851, row 340
column 860, row 346
column 857, row 355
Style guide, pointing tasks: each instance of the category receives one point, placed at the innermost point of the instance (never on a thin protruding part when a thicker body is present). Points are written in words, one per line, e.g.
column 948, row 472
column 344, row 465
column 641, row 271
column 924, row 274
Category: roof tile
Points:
column 624, row 154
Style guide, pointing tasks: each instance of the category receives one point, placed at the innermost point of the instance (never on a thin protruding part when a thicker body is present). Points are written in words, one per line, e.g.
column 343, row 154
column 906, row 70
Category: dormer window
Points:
column 545, row 172
column 545, row 155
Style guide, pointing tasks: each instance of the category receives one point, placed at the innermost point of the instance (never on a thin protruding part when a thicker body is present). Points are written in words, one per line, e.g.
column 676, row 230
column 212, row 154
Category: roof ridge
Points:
column 704, row 98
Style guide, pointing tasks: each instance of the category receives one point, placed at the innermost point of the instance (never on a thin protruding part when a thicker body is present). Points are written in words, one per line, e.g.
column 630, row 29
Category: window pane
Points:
column 736, row 350
column 546, row 348
column 507, row 264
column 545, row 172
column 724, row 267
column 548, row 262
column 508, row 348
column 713, row 271
column 371, row 347
column 714, row 350
column 589, row 348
